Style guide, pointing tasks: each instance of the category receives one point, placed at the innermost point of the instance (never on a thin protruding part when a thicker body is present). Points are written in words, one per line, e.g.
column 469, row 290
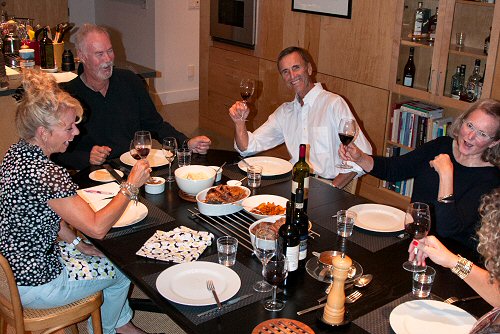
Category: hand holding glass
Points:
column 264, row 245
column 169, row 148
column 247, row 87
column 417, row 225
column 347, row 132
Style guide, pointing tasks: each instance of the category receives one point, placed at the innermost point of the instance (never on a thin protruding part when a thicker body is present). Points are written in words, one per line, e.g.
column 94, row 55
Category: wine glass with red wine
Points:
column 169, row 148
column 247, row 87
column 275, row 272
column 133, row 152
column 264, row 245
column 417, row 225
column 347, row 131
column 142, row 143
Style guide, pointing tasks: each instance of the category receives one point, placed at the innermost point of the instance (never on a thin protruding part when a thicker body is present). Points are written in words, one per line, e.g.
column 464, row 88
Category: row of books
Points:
column 416, row 122
column 404, row 187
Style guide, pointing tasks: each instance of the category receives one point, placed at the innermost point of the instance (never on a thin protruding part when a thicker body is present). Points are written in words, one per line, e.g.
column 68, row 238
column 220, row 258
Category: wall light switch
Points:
column 194, row 4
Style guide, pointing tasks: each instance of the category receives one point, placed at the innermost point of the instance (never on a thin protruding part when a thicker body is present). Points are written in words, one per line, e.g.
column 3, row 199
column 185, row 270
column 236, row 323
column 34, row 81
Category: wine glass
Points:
column 264, row 246
column 347, row 131
column 417, row 225
column 169, row 148
column 247, row 87
column 133, row 152
column 275, row 272
column 142, row 143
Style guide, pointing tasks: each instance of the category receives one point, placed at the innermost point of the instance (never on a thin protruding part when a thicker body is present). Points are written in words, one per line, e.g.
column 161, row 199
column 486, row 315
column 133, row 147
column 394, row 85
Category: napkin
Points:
column 100, row 192
column 180, row 245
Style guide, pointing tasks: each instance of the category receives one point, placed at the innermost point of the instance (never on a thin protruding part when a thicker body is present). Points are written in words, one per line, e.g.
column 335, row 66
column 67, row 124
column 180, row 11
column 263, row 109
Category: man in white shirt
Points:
column 312, row 118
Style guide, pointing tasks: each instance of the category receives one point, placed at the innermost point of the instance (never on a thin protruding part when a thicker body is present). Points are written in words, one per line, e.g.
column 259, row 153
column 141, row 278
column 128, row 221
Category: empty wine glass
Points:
column 275, row 272
column 142, row 143
column 417, row 225
column 169, row 148
column 264, row 246
column 347, row 131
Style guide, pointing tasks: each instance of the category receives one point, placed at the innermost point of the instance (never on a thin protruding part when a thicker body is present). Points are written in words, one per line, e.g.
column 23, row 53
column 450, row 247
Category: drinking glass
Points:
column 247, row 87
column 275, row 272
column 347, row 131
column 345, row 224
column 169, row 148
column 264, row 247
column 142, row 143
column 417, row 225
column 133, row 152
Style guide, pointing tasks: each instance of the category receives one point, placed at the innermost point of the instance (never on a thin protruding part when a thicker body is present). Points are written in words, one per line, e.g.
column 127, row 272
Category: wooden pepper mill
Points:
column 334, row 309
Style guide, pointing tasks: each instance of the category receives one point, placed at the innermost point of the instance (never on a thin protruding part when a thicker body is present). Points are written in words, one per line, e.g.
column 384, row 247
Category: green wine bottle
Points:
column 300, row 176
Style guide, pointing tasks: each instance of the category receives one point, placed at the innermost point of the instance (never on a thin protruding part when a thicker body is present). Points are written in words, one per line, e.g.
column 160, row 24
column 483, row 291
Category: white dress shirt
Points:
column 315, row 124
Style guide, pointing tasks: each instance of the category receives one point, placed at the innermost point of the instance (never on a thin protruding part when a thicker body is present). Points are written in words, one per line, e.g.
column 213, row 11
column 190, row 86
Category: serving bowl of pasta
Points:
column 195, row 178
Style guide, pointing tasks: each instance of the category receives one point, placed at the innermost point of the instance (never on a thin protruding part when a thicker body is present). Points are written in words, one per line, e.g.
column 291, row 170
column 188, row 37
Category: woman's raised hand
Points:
column 140, row 173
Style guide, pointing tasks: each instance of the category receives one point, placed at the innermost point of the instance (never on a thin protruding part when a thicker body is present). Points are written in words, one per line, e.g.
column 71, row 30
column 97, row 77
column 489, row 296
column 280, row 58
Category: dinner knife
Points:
column 231, row 302
column 245, row 162
column 113, row 173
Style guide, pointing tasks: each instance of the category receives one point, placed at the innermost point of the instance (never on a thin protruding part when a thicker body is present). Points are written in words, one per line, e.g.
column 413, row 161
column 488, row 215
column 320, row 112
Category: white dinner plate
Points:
column 186, row 283
column 155, row 158
column 430, row 317
column 102, row 175
column 379, row 218
column 132, row 214
column 270, row 166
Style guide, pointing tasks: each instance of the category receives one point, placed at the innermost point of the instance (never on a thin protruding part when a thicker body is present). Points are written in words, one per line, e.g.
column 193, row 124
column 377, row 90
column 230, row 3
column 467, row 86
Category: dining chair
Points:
column 44, row 321
column 351, row 186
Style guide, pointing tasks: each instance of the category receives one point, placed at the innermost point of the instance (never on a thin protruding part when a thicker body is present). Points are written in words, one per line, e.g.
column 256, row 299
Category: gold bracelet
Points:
column 462, row 268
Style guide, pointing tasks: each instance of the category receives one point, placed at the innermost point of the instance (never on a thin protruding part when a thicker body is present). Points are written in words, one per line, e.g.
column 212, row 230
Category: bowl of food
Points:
column 272, row 222
column 155, row 185
column 263, row 206
column 221, row 200
column 195, row 178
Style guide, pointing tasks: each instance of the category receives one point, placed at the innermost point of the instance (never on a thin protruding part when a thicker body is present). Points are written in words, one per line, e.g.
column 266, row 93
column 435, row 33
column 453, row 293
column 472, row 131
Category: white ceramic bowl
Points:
column 156, row 187
column 233, row 183
column 192, row 187
column 219, row 209
column 254, row 201
column 219, row 174
column 270, row 219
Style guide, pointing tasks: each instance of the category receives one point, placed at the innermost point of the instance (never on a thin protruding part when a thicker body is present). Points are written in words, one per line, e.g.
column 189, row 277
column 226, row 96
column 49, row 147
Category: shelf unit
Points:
column 436, row 62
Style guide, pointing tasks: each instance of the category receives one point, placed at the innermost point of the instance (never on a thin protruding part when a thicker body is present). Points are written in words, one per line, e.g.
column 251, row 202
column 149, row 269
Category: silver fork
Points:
column 453, row 300
column 353, row 297
column 210, row 287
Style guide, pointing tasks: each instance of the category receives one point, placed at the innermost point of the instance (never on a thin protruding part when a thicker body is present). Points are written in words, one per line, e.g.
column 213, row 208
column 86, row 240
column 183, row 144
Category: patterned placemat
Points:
column 248, row 278
column 155, row 217
column 371, row 241
column 377, row 321
column 233, row 172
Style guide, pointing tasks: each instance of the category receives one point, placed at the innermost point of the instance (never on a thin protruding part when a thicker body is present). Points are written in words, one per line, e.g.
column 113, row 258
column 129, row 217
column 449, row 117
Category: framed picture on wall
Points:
column 337, row 8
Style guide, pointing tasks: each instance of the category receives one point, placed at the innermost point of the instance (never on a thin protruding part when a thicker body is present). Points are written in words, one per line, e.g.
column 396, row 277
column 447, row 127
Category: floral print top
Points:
column 28, row 226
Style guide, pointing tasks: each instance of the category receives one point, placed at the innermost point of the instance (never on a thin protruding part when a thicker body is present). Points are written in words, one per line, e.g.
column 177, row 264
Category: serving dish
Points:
column 219, row 209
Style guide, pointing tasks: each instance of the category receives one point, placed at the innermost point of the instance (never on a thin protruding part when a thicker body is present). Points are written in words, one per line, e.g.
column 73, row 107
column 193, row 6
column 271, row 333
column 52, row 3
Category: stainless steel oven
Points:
column 234, row 21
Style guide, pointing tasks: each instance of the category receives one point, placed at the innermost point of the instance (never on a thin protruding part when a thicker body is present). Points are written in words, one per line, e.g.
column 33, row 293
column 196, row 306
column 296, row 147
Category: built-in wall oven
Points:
column 234, row 21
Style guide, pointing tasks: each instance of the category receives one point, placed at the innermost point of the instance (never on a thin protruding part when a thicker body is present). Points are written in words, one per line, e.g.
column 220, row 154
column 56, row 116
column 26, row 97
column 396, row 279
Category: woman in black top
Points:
column 450, row 173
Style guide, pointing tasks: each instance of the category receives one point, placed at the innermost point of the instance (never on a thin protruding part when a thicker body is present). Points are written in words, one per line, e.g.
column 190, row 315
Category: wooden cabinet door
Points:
column 48, row 12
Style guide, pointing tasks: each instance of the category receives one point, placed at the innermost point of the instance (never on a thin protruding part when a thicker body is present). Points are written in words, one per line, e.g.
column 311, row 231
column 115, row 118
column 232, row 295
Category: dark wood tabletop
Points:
column 390, row 281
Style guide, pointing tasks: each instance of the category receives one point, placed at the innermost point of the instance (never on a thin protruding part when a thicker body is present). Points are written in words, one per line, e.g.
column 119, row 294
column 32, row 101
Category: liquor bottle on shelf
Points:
column 481, row 82
column 456, row 84
column 288, row 240
column 409, row 70
column 487, row 43
column 473, row 92
column 300, row 176
column 463, row 92
column 46, row 51
column 433, row 26
column 421, row 23
column 301, row 220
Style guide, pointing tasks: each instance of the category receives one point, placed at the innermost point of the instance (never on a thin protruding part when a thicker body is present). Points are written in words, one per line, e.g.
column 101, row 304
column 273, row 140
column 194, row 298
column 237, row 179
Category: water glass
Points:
column 226, row 249
column 345, row 222
column 184, row 157
column 254, row 176
column 422, row 282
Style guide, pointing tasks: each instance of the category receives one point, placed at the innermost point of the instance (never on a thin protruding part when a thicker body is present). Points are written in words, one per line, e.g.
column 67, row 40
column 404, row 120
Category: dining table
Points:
column 378, row 253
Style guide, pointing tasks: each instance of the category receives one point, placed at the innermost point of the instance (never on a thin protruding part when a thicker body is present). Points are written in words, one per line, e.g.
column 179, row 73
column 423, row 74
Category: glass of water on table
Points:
column 254, row 176
column 226, row 249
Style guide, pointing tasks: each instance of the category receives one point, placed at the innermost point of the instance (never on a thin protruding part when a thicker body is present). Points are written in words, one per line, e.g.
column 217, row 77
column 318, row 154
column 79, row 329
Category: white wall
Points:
column 160, row 34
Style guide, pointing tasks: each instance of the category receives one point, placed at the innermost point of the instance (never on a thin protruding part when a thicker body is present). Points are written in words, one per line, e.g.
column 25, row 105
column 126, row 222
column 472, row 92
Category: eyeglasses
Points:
column 481, row 134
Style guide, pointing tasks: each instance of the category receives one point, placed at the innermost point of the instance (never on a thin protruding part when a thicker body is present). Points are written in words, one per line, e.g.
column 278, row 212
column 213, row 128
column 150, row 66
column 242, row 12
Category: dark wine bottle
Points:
column 300, row 176
column 46, row 51
column 409, row 70
column 301, row 220
column 288, row 240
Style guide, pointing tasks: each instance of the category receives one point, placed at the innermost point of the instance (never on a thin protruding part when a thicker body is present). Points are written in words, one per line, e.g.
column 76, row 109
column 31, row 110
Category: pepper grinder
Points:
column 334, row 310
column 68, row 61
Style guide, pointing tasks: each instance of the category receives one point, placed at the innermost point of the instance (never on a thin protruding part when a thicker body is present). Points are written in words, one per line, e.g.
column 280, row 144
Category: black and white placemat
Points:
column 233, row 172
column 371, row 241
column 377, row 321
column 248, row 278
column 155, row 217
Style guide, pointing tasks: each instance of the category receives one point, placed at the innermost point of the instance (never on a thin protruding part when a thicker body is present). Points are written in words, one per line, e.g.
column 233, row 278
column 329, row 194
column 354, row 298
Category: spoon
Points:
column 217, row 172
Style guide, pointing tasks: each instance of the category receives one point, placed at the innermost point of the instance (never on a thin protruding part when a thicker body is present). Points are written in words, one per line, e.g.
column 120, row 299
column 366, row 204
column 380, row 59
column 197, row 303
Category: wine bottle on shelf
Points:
column 301, row 220
column 433, row 26
column 456, row 84
column 481, row 82
column 288, row 240
column 463, row 92
column 409, row 70
column 473, row 92
column 487, row 43
column 46, row 51
column 300, row 176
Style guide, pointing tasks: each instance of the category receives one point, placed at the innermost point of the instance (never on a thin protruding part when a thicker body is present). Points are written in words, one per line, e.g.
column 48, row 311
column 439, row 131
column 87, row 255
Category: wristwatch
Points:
column 447, row 199
column 76, row 241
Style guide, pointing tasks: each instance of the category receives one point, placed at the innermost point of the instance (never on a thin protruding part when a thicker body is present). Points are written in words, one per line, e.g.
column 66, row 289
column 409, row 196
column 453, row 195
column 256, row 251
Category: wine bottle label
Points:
column 295, row 185
column 303, row 248
column 292, row 255
column 408, row 81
